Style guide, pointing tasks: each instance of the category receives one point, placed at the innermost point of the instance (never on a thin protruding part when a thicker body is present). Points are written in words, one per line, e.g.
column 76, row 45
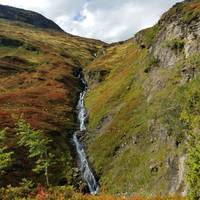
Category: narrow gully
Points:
column 85, row 169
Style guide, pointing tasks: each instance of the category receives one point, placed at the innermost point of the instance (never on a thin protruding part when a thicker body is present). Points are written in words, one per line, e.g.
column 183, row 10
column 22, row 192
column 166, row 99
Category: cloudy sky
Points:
column 108, row 20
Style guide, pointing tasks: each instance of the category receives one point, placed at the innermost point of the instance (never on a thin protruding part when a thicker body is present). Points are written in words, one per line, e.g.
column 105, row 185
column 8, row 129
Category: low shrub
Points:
column 64, row 193
column 176, row 44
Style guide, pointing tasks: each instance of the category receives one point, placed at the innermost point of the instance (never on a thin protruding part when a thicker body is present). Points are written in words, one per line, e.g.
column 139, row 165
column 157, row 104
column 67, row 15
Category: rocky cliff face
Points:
column 29, row 17
column 178, row 34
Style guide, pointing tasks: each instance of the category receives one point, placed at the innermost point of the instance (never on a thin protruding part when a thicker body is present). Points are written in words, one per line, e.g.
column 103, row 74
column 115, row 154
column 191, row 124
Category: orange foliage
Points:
column 41, row 194
column 56, row 96
column 195, row 6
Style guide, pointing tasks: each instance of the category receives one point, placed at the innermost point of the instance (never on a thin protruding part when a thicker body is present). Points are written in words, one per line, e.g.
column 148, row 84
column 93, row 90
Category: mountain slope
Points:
column 38, row 82
column 139, row 91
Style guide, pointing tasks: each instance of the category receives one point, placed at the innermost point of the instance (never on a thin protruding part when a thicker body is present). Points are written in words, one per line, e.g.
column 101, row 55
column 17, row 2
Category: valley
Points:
column 122, row 118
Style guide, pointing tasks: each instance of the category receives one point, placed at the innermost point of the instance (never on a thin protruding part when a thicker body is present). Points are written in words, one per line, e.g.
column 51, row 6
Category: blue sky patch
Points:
column 79, row 17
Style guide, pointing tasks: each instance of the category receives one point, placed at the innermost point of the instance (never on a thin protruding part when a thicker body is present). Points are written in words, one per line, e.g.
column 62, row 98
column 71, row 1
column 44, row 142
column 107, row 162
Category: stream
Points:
column 85, row 169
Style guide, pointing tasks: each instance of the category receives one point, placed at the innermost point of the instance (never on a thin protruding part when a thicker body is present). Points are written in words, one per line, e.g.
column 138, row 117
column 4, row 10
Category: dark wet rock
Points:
column 10, row 42
column 96, row 76
column 154, row 168
column 187, row 73
column 104, row 121
column 143, row 46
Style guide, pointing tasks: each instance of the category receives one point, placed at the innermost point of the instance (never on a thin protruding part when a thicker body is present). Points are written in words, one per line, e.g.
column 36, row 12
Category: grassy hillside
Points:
column 38, row 82
column 138, row 93
column 121, row 145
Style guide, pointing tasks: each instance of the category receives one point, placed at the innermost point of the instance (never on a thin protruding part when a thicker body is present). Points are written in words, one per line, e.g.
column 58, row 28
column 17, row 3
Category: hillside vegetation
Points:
column 139, row 92
column 38, row 82
column 143, row 101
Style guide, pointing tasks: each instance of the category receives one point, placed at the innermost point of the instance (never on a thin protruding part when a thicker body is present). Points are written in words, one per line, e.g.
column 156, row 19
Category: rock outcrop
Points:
column 179, row 31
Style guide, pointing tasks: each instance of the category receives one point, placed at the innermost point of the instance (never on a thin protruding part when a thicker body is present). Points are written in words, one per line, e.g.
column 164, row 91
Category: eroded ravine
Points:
column 85, row 169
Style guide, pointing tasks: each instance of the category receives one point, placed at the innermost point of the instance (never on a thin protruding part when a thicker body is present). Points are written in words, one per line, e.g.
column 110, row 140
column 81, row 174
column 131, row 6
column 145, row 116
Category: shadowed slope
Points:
column 29, row 17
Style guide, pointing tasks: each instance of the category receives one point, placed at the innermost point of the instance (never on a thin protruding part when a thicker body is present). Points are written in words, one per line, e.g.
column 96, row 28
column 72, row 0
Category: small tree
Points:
column 193, row 155
column 5, row 156
column 189, row 101
column 193, row 164
column 38, row 147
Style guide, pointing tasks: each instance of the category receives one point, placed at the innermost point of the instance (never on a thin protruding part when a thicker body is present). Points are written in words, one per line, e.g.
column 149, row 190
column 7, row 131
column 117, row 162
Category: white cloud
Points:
column 110, row 21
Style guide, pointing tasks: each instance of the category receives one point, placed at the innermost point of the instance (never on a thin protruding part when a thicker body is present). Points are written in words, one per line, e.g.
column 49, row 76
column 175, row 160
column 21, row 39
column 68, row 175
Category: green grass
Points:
column 150, row 34
column 187, row 11
column 143, row 106
column 175, row 44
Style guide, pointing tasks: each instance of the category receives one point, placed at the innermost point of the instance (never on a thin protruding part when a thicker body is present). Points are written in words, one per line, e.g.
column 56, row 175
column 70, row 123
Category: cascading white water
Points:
column 87, row 174
column 81, row 111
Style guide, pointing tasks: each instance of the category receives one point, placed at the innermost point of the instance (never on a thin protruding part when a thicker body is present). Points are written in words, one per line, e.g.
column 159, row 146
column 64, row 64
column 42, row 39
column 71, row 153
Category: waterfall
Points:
column 87, row 174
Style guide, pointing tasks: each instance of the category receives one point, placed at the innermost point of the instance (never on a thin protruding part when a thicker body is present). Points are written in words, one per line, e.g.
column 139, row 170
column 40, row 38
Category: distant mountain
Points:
column 29, row 17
